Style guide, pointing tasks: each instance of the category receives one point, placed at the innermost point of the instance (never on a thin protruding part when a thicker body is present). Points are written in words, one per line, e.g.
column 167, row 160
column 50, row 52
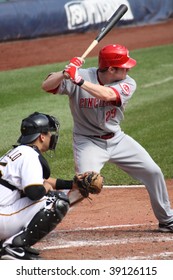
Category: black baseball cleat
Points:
column 18, row 253
column 168, row 227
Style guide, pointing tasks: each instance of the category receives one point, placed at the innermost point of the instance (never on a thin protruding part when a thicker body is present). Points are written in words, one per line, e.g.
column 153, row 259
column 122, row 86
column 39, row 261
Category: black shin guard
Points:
column 41, row 224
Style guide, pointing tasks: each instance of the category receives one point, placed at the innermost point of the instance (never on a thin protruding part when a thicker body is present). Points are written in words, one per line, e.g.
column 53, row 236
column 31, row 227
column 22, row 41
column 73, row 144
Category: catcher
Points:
column 31, row 203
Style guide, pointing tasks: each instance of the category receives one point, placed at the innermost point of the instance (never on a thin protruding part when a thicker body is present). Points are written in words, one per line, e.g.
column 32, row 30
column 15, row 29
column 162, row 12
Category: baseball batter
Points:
column 98, row 97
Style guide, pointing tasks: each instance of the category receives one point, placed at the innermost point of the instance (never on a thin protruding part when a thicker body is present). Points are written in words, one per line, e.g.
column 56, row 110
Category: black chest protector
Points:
column 44, row 163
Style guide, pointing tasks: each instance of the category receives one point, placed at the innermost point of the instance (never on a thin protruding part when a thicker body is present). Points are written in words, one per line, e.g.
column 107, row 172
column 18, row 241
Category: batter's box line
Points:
column 64, row 244
column 107, row 227
column 162, row 255
column 123, row 186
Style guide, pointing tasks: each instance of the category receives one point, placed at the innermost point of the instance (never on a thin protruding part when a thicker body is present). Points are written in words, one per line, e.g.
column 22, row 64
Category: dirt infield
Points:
column 119, row 222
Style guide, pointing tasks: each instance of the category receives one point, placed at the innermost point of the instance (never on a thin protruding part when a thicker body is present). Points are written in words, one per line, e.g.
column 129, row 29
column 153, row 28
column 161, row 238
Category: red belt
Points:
column 106, row 136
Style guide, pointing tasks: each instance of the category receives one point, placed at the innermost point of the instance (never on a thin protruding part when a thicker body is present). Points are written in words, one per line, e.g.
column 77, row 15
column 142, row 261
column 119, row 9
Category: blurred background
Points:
column 25, row 19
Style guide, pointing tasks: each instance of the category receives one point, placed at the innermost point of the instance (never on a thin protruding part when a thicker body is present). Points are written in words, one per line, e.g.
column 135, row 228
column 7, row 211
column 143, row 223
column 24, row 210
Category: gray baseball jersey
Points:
column 93, row 116
column 98, row 138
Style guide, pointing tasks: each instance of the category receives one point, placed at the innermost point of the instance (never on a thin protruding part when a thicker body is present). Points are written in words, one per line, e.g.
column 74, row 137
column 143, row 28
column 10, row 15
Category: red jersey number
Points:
column 110, row 114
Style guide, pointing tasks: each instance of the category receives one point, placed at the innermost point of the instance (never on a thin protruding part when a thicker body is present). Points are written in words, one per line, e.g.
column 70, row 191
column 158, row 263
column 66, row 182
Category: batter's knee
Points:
column 155, row 170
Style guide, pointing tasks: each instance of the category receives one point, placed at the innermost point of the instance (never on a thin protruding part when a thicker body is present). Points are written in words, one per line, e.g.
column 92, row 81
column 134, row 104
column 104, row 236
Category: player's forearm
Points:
column 99, row 91
column 52, row 81
column 60, row 184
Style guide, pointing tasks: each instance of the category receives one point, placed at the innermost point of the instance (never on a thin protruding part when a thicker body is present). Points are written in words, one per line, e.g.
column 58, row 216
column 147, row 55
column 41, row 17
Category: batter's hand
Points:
column 77, row 61
column 72, row 72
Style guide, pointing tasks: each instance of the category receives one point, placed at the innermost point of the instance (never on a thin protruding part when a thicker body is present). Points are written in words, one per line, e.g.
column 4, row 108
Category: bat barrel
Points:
column 108, row 26
column 112, row 21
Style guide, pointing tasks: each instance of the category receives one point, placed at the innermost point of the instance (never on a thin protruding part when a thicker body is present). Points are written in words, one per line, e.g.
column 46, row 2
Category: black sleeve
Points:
column 64, row 184
column 35, row 192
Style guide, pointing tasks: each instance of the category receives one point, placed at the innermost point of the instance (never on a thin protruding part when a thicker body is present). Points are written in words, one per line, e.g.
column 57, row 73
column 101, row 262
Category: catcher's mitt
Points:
column 88, row 182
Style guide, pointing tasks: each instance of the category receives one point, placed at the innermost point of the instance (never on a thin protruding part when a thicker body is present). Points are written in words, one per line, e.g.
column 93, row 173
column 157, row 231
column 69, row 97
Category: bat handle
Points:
column 89, row 49
column 84, row 55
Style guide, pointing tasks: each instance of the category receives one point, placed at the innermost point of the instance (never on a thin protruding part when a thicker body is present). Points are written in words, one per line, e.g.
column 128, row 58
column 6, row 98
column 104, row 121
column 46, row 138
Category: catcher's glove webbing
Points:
column 89, row 183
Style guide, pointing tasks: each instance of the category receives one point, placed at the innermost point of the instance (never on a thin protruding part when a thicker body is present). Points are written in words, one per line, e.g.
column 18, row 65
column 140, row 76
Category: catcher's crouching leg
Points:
column 43, row 222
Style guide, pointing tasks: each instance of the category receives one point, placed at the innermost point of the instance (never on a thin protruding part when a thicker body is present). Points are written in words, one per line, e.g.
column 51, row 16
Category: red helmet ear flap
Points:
column 115, row 56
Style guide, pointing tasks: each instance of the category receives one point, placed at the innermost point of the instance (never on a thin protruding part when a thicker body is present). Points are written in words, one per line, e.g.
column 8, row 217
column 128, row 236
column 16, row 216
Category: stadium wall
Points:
column 26, row 19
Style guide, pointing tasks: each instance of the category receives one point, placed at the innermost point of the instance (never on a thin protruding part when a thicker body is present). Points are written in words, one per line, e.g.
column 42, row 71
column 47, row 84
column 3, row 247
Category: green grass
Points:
column 148, row 116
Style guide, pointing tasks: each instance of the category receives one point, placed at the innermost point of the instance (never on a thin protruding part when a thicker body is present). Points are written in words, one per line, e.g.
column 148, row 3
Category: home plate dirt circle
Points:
column 117, row 224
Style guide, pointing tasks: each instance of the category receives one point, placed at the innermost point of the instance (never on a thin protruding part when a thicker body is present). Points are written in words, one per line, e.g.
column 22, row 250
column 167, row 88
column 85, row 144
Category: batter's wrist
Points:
column 81, row 82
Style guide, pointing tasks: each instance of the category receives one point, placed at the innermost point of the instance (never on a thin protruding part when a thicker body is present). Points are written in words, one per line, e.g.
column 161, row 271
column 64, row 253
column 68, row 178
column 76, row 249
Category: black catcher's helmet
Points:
column 37, row 123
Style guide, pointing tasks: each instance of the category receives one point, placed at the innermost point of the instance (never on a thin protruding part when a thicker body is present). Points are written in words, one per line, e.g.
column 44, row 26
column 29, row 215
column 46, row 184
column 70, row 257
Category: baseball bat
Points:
column 117, row 15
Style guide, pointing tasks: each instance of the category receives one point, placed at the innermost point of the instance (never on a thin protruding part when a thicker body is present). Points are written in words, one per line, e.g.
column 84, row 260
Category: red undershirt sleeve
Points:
column 117, row 102
column 54, row 91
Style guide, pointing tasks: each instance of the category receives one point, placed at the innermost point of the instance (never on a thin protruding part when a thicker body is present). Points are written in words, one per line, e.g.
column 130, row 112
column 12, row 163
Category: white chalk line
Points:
column 107, row 242
column 106, row 227
column 157, row 83
column 64, row 244
column 151, row 257
column 123, row 186
column 72, row 244
column 167, row 65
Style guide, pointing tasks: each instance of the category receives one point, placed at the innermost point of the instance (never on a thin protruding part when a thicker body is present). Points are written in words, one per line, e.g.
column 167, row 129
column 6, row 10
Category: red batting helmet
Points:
column 115, row 56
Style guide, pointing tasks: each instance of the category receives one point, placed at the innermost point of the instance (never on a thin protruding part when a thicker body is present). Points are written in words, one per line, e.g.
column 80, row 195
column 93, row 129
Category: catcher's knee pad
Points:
column 43, row 222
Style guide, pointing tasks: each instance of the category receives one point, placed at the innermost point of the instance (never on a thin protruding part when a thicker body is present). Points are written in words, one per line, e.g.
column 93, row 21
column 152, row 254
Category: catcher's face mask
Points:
column 53, row 140
column 54, row 124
